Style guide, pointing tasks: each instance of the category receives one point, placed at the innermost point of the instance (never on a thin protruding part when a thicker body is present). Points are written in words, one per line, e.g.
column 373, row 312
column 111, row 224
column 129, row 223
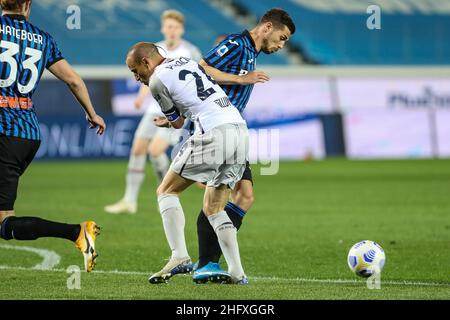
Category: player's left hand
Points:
column 161, row 122
column 97, row 122
column 254, row 77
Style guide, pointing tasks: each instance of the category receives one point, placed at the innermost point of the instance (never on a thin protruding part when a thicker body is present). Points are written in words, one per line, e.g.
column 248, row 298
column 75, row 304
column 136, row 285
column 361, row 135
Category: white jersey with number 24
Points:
column 182, row 88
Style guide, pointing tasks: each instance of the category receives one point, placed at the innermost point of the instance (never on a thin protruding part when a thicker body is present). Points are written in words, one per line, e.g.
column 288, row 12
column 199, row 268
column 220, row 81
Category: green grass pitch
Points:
column 294, row 241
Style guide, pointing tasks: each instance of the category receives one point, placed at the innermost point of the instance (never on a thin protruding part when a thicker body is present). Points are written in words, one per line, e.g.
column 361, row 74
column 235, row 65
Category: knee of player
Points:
column 155, row 153
column 138, row 151
column 160, row 190
column 139, row 147
column 211, row 208
column 165, row 189
column 207, row 210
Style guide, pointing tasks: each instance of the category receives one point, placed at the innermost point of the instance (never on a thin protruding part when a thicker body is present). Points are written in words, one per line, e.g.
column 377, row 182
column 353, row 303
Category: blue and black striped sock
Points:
column 235, row 213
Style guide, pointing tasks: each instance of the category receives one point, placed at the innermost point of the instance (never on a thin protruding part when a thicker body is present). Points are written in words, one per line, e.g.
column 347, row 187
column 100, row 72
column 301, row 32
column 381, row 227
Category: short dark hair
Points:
column 279, row 18
column 12, row 5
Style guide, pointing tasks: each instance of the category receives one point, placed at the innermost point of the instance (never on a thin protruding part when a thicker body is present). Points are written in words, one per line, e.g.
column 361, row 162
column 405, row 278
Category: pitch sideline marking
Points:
column 255, row 278
column 50, row 259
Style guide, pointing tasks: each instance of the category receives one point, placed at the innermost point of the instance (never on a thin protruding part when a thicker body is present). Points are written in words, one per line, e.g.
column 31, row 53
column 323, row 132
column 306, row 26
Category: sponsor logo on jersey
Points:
column 15, row 102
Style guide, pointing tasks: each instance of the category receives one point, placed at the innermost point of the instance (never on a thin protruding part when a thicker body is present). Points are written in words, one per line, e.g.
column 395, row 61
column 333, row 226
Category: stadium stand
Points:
column 109, row 28
column 335, row 32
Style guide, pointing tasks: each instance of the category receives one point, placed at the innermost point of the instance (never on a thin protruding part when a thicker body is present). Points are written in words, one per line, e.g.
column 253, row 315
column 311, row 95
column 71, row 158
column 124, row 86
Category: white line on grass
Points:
column 51, row 259
column 258, row 279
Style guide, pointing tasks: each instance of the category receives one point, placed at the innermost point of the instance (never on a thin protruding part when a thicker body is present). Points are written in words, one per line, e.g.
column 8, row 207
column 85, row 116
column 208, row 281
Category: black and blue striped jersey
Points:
column 236, row 54
column 25, row 51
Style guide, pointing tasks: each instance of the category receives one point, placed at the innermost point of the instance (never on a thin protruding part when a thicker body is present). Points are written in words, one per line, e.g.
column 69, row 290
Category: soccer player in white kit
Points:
column 148, row 138
column 215, row 154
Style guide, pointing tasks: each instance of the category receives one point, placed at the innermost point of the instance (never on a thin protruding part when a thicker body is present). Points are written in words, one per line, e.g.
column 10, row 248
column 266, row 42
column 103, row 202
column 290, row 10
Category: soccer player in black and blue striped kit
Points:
column 232, row 64
column 25, row 52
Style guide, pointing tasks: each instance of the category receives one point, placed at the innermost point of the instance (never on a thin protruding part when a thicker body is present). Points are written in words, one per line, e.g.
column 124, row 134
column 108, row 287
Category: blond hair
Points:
column 173, row 14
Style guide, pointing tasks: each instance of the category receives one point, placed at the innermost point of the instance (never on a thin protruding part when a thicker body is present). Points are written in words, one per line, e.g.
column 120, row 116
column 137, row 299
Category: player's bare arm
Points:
column 64, row 72
column 144, row 91
column 226, row 78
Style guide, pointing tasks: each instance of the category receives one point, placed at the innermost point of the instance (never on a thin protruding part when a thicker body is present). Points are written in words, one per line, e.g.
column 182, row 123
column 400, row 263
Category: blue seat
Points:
column 107, row 32
column 340, row 36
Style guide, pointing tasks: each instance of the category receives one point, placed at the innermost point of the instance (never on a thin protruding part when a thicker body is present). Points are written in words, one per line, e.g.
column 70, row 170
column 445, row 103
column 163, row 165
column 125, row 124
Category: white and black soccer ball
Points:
column 366, row 258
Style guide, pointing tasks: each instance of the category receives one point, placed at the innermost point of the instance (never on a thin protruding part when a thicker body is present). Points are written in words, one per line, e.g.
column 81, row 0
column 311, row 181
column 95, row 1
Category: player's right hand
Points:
column 97, row 122
column 254, row 77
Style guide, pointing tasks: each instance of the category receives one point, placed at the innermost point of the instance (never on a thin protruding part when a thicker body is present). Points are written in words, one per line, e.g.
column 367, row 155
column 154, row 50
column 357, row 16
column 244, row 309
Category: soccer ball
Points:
column 366, row 258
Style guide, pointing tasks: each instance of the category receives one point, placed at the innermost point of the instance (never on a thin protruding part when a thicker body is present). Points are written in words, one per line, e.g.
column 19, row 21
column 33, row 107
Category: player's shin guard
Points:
column 31, row 228
column 135, row 177
column 226, row 233
column 160, row 165
column 173, row 221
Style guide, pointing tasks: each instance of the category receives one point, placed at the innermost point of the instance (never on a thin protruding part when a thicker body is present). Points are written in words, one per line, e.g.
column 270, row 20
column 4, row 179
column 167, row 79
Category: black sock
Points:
column 30, row 228
column 208, row 244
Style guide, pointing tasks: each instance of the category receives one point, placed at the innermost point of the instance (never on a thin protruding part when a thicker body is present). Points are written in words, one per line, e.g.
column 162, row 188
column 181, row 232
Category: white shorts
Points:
column 217, row 157
column 147, row 129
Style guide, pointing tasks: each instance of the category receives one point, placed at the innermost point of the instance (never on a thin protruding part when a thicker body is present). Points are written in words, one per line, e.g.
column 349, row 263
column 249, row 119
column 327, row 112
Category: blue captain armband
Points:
column 172, row 115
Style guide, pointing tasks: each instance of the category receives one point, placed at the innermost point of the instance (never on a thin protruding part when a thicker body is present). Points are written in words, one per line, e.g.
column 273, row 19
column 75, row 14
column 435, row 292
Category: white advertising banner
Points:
column 443, row 132
column 280, row 97
column 286, row 97
column 382, row 134
column 384, row 117
column 393, row 93
column 298, row 141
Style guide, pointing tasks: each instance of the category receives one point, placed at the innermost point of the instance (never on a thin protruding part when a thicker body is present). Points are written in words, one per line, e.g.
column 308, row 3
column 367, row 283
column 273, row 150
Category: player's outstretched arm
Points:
column 226, row 78
column 64, row 72
column 144, row 91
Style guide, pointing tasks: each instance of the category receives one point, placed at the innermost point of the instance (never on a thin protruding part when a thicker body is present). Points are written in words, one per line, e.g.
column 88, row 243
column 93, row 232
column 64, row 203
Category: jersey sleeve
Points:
column 53, row 53
column 225, row 53
column 162, row 96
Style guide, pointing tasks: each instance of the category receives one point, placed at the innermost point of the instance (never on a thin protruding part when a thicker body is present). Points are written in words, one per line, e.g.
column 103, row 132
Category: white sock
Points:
column 226, row 233
column 135, row 177
column 160, row 165
column 173, row 221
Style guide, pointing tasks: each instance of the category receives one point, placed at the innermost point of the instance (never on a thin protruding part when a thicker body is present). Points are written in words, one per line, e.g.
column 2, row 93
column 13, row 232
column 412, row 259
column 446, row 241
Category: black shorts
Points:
column 15, row 156
column 247, row 173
